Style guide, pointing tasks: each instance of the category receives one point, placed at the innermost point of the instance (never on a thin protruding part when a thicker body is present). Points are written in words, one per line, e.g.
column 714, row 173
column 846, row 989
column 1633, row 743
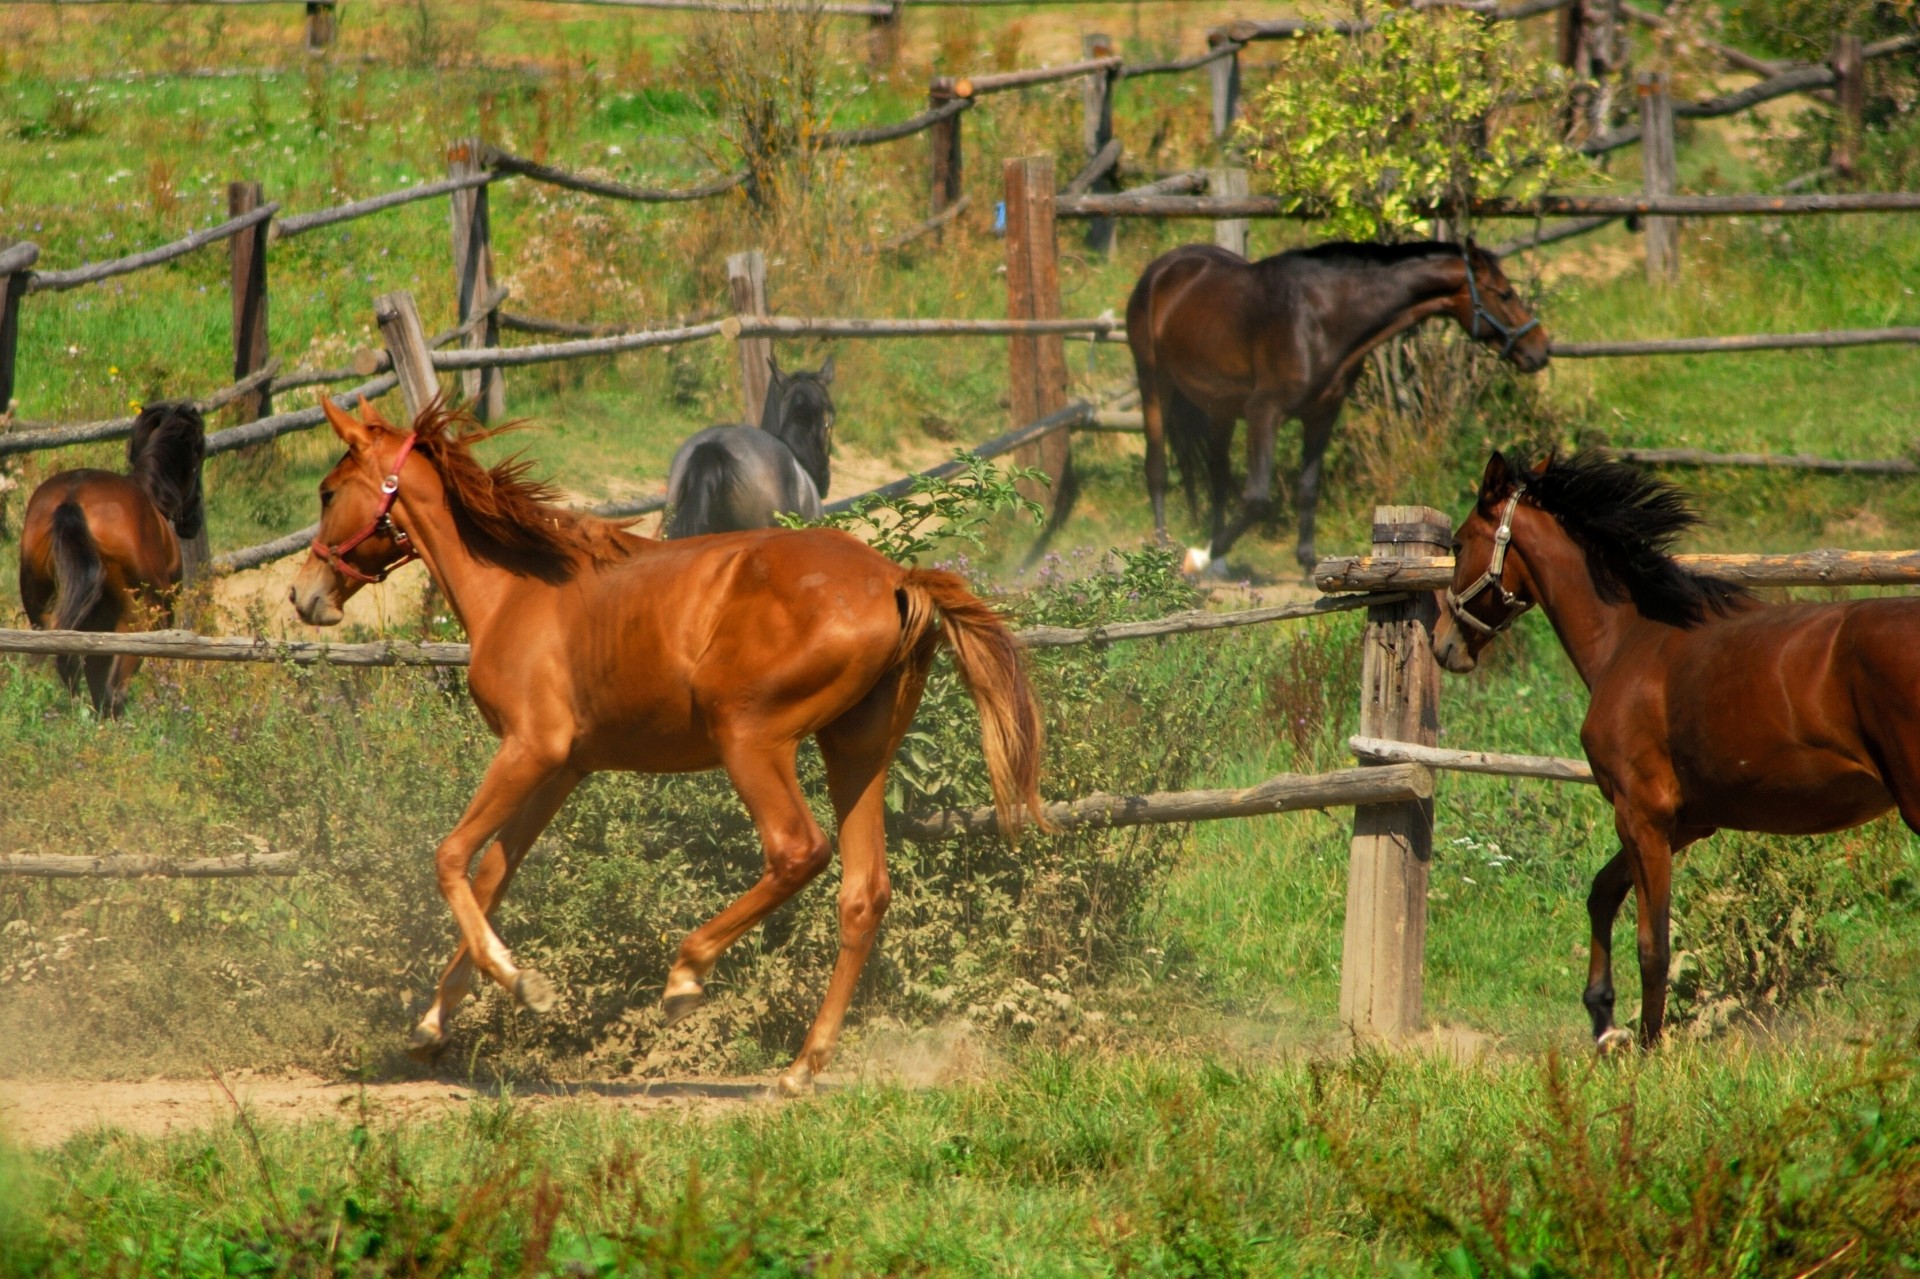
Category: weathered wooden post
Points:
column 747, row 282
column 16, row 267
column 247, row 259
column 483, row 389
column 883, row 37
column 1229, row 233
column 1096, row 130
column 319, row 25
column 1037, row 363
column 1384, row 956
column 406, row 343
column 943, row 140
column 1850, row 94
column 1659, row 176
column 1224, row 74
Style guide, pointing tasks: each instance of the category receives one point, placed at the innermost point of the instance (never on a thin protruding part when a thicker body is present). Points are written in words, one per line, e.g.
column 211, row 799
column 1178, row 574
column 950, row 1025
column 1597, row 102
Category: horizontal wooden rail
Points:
column 1805, row 568
column 1193, row 622
column 837, row 10
column 508, row 357
column 1174, row 66
column 1130, row 205
column 35, row 437
column 1292, row 28
column 266, row 552
column 1551, row 235
column 120, row 866
column 303, row 222
column 267, row 428
column 61, row 281
column 18, row 257
column 1823, row 340
column 844, row 138
column 507, row 162
column 901, row 239
column 1553, row 768
column 1001, row 81
column 1770, row 461
column 824, row 327
column 1285, row 793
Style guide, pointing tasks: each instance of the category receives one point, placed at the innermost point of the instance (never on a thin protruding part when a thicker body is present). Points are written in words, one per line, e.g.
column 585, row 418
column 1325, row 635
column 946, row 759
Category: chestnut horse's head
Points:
column 357, row 542
column 1491, row 311
column 1491, row 586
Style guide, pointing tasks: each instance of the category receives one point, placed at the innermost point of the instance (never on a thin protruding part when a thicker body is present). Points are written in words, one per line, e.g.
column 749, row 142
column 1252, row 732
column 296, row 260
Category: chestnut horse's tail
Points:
column 990, row 665
column 77, row 571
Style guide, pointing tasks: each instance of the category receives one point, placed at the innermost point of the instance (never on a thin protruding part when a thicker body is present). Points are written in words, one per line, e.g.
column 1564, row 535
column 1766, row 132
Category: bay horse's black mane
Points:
column 1627, row 521
column 164, row 454
column 1369, row 252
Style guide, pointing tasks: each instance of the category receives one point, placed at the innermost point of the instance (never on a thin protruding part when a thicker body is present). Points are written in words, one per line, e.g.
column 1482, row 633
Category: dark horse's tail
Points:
column 1189, row 431
column 988, row 659
column 164, row 456
column 80, row 579
column 704, row 492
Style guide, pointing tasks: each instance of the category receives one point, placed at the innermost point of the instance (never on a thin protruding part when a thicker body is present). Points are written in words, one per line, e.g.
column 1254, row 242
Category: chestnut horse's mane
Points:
column 504, row 517
column 1626, row 521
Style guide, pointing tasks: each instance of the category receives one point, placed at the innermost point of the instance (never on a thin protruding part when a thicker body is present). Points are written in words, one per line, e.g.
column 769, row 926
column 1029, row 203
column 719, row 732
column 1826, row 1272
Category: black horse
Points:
column 1217, row 338
column 730, row 478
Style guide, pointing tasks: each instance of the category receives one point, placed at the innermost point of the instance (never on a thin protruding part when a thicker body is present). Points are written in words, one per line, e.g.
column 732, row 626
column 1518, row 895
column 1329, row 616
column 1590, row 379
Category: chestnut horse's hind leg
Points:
column 497, row 867
column 1610, row 888
column 796, row 850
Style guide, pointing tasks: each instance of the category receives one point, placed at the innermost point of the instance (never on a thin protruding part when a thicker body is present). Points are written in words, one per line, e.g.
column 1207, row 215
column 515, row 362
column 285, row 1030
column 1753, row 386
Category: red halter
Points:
column 389, row 490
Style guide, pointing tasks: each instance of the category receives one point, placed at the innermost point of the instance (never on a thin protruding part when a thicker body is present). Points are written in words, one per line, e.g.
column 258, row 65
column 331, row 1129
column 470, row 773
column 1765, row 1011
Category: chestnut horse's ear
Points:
column 352, row 431
column 1497, row 479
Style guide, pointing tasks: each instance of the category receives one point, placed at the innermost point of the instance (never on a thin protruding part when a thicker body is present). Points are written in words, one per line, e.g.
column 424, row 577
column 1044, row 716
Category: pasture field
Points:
column 1115, row 1053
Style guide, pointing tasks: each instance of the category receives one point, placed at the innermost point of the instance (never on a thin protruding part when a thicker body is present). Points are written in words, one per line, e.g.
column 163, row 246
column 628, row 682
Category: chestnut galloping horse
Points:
column 593, row 648
column 101, row 552
column 1217, row 338
column 1708, row 708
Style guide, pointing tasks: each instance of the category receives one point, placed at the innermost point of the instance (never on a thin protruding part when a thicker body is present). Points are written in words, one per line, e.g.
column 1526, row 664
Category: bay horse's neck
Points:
column 1591, row 630
column 1387, row 299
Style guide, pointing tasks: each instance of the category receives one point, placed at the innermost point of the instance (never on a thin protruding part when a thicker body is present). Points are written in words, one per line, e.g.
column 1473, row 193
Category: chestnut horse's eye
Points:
column 326, row 495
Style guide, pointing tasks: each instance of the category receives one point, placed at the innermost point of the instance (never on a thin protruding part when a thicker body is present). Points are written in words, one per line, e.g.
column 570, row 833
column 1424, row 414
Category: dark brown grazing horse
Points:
column 101, row 552
column 597, row 649
column 1708, row 709
column 1217, row 338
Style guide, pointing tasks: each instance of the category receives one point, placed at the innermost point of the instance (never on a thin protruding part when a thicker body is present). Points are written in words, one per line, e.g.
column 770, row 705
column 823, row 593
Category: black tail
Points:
column 77, row 569
column 699, row 504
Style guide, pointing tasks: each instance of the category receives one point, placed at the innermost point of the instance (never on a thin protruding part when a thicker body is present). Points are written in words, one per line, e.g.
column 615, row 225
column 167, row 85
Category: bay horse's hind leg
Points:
column 857, row 748
column 1610, row 889
column 497, row 868
column 796, row 850
column 1316, row 431
column 1256, row 500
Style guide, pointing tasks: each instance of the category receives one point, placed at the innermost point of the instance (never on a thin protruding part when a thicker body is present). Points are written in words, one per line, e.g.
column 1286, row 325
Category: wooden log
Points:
column 1100, row 167
column 1096, row 131
column 1196, row 621
column 406, row 341
column 1772, row 461
column 319, row 25
column 1230, row 234
column 266, row 552
column 1726, row 53
column 376, row 360
column 37, row 437
column 839, row 9
column 484, row 390
column 1130, row 204
column 510, row 357
column 1293, row 28
column 186, row 646
column 1805, row 568
column 268, row 428
column 1065, row 420
column 943, row 146
column 1550, row 235
column 54, row 866
column 1223, row 77
column 1850, row 92
column 300, row 223
column 747, row 287
column 1658, row 178
column 932, row 117
column 923, row 228
column 507, row 162
column 820, row 327
column 1285, row 793
column 1738, row 342
column 981, row 85
column 1383, row 954
column 1037, row 363
column 16, row 271
column 248, row 284
column 1217, row 50
column 1553, row 768
column 61, row 281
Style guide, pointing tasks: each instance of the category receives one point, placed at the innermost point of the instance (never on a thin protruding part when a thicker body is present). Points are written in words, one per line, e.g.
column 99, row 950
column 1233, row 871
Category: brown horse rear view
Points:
column 1708, row 708
column 593, row 648
column 101, row 552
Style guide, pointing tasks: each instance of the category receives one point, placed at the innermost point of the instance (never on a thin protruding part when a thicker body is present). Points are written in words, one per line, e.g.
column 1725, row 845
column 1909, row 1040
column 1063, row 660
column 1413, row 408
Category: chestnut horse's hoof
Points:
column 797, row 1082
column 425, row 1046
column 1614, row 1042
column 678, row 1007
column 534, row 992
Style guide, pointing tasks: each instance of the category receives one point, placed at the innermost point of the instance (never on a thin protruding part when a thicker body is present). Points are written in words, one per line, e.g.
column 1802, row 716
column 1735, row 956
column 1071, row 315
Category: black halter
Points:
column 1494, row 322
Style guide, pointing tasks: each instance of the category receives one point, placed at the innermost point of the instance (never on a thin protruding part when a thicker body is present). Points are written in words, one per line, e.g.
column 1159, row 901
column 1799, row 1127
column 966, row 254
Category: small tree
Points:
column 1407, row 112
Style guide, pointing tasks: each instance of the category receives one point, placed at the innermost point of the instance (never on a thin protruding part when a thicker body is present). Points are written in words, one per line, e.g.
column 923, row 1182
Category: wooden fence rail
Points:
column 60, row 281
column 1822, row 340
column 122, row 866
column 1770, row 461
column 1804, row 568
column 1130, row 205
column 1554, row 768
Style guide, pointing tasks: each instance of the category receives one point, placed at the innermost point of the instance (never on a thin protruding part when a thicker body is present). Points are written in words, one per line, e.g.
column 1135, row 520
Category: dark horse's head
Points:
column 799, row 412
column 168, row 445
column 1491, row 311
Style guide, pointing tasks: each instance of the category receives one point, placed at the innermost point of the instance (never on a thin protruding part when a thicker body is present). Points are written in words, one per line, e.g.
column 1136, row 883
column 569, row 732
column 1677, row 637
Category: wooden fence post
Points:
column 1037, row 362
column 1569, row 35
column 19, row 260
column 1224, row 74
column 1658, row 162
column 1229, row 233
column 406, row 342
column 747, row 282
column 247, row 257
column 1850, row 93
column 883, row 38
column 484, row 390
column 1097, row 130
column 943, row 139
column 1384, row 954
column 319, row 25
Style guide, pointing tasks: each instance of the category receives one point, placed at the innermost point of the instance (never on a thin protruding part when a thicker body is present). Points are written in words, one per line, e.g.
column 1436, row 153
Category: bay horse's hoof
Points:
column 534, row 992
column 425, row 1046
column 1614, row 1042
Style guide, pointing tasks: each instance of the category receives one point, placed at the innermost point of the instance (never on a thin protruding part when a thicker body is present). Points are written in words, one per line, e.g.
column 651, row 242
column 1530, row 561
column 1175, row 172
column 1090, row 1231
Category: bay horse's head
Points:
column 1491, row 585
column 799, row 412
column 1491, row 311
column 357, row 543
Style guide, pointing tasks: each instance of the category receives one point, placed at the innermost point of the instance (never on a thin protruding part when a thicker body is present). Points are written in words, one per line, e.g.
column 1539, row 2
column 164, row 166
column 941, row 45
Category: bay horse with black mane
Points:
column 101, row 551
column 594, row 648
column 1708, row 708
column 1217, row 338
